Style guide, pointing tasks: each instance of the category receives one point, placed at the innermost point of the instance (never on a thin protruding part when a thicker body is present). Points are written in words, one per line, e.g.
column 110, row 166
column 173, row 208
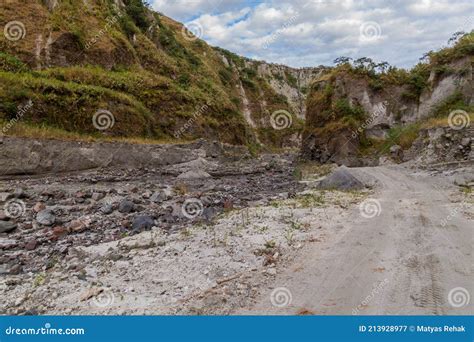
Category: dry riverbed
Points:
column 238, row 237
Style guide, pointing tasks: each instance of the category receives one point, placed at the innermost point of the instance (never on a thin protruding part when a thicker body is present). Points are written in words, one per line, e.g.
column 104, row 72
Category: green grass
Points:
column 43, row 131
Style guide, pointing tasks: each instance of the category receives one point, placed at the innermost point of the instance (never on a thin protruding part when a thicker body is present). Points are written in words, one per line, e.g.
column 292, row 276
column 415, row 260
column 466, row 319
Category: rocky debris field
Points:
column 195, row 237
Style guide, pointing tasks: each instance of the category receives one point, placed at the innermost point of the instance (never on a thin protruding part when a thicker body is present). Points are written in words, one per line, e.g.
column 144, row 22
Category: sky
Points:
column 305, row 33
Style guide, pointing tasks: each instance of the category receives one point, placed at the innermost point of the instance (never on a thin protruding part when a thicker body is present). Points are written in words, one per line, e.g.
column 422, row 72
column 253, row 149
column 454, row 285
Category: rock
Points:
column 158, row 197
column 92, row 292
column 209, row 213
column 464, row 180
column 46, row 217
column 80, row 225
column 198, row 174
column 271, row 271
column 59, row 231
column 126, row 207
column 168, row 193
column 3, row 270
column 142, row 223
column 20, row 193
column 107, row 209
column 39, row 206
column 80, row 194
column 384, row 160
column 6, row 227
column 466, row 142
column 147, row 194
column 15, row 269
column 31, row 245
column 397, row 152
column 97, row 196
column 5, row 196
column 341, row 179
column 197, row 164
column 7, row 243
column 395, row 149
column 229, row 204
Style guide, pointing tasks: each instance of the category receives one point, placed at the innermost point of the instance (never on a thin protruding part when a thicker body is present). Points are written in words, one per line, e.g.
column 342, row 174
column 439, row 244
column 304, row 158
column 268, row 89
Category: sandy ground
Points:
column 408, row 251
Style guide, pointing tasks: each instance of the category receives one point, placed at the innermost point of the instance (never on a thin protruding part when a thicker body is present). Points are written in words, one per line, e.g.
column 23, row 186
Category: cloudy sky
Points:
column 314, row 32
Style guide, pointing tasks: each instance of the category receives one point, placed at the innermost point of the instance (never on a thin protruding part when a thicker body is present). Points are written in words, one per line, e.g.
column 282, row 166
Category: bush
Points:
column 343, row 109
column 137, row 11
column 225, row 76
column 248, row 84
column 184, row 80
column 403, row 135
column 292, row 81
column 376, row 84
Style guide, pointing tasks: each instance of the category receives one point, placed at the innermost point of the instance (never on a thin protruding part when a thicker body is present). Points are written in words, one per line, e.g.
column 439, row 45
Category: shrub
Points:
column 137, row 11
column 225, row 76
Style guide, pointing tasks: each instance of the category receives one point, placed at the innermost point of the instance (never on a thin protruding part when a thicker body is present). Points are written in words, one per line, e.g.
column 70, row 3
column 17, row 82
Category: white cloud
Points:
column 314, row 32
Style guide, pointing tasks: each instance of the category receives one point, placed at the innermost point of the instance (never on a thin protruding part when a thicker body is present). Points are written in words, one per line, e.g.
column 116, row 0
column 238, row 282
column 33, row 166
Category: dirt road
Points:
column 406, row 250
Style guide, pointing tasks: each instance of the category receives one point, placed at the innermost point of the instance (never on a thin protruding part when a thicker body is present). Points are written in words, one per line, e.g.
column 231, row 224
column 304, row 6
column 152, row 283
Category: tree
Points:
column 342, row 60
column 363, row 63
column 383, row 66
column 455, row 37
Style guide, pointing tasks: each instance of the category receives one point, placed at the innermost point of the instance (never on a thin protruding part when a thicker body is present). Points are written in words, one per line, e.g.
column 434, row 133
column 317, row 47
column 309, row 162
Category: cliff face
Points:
column 157, row 80
column 272, row 97
column 355, row 116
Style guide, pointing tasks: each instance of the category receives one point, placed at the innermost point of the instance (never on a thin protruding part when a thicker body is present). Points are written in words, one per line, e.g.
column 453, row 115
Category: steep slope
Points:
column 359, row 110
column 129, row 71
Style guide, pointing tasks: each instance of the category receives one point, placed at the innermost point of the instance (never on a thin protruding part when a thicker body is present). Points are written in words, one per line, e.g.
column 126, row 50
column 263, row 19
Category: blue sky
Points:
column 313, row 32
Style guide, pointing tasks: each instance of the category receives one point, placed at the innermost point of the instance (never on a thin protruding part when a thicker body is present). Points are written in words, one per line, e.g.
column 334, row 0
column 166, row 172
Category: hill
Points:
column 132, row 72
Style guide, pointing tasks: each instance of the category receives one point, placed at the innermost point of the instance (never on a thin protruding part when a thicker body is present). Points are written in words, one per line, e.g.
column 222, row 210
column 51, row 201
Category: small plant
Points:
column 296, row 225
column 186, row 233
column 39, row 279
column 271, row 244
column 311, row 200
column 181, row 189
